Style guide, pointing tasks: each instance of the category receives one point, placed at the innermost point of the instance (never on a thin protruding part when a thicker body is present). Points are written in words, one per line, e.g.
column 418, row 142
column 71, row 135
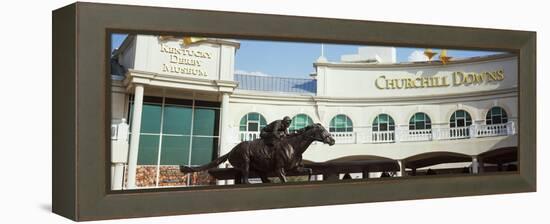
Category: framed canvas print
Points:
column 201, row 111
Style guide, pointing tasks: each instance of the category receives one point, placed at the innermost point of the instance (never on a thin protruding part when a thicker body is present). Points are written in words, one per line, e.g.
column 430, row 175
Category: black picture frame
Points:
column 81, row 110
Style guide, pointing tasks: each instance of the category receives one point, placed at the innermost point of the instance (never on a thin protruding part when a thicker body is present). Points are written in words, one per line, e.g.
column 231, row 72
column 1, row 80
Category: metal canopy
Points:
column 435, row 158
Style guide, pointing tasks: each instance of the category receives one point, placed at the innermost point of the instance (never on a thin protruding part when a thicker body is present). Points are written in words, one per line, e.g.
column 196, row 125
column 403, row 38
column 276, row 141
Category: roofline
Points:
column 416, row 64
column 274, row 76
column 131, row 37
column 125, row 44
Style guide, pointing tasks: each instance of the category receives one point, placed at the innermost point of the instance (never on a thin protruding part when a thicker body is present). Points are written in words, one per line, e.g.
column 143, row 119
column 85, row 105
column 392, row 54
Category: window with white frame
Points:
column 460, row 118
column 496, row 115
column 341, row 123
column 420, row 121
column 383, row 122
column 252, row 122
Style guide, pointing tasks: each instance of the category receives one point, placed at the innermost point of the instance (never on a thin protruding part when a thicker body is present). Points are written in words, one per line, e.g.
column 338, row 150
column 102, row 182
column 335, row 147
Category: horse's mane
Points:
column 302, row 130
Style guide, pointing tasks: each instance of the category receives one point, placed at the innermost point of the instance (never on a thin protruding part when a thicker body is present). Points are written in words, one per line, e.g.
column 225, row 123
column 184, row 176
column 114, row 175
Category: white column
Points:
column 224, row 130
column 224, row 126
column 118, row 176
column 475, row 165
column 134, row 141
column 402, row 169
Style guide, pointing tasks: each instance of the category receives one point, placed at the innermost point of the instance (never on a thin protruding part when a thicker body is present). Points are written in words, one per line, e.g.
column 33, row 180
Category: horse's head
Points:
column 319, row 133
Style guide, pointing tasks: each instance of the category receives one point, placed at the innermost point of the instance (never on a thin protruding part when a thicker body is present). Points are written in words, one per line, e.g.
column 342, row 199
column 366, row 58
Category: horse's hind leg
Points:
column 264, row 178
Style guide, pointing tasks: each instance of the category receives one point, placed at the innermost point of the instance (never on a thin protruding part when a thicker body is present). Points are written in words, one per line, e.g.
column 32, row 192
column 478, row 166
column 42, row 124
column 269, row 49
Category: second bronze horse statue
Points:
column 256, row 156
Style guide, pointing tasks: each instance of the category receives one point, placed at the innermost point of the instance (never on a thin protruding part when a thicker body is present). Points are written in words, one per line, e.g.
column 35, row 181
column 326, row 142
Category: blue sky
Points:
column 295, row 59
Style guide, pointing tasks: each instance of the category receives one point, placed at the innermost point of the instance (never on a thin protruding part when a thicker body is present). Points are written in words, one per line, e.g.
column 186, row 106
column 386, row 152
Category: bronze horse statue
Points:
column 264, row 160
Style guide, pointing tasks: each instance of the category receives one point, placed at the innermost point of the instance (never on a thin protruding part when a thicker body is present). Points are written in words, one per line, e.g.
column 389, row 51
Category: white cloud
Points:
column 251, row 73
column 417, row 56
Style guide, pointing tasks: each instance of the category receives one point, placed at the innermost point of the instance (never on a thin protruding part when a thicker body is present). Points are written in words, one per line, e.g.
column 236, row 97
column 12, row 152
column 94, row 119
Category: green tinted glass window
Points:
column 300, row 121
column 150, row 118
column 420, row 121
column 148, row 150
column 203, row 150
column 205, row 121
column 177, row 120
column 341, row 123
column 383, row 122
column 496, row 115
column 252, row 122
column 175, row 150
column 253, row 126
column 253, row 116
column 263, row 122
column 460, row 118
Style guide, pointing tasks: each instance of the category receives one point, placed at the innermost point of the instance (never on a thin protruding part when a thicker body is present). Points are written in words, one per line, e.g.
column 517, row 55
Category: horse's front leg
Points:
column 309, row 172
column 302, row 169
column 245, row 171
column 281, row 173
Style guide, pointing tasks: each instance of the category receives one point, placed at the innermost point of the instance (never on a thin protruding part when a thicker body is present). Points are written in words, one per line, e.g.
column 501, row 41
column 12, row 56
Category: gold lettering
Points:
column 478, row 78
column 390, row 83
column 500, row 75
column 458, row 78
column 491, row 76
column 376, row 82
column 426, row 82
column 183, row 70
column 435, row 81
column 397, row 82
column 410, row 83
column 444, row 81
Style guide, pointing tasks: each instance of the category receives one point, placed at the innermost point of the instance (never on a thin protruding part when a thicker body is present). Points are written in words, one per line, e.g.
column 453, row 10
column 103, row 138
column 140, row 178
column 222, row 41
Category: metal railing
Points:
column 383, row 136
column 276, row 84
column 344, row 137
column 249, row 135
column 366, row 135
column 492, row 130
column 415, row 135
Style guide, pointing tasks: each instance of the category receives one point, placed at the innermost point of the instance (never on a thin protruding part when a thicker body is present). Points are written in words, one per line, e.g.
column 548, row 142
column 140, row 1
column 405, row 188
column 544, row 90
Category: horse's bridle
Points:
column 320, row 139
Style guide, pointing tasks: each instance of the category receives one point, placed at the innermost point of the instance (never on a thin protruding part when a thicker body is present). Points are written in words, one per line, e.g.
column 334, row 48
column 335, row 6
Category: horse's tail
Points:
column 214, row 163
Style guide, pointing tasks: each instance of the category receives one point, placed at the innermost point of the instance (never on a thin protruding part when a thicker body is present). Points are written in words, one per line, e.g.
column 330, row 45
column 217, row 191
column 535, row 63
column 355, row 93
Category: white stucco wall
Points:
column 363, row 112
column 358, row 80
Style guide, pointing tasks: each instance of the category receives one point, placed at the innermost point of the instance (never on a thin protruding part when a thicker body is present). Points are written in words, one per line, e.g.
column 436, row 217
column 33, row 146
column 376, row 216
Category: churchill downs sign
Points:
column 454, row 79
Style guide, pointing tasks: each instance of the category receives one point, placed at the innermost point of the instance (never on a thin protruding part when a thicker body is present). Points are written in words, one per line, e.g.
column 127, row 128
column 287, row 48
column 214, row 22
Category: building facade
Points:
column 182, row 104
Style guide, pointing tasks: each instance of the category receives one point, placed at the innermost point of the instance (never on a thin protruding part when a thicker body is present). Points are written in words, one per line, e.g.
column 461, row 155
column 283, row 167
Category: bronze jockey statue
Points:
column 275, row 130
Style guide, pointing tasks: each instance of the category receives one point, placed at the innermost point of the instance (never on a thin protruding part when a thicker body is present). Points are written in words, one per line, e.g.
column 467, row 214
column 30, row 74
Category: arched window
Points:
column 460, row 118
column 420, row 121
column 341, row 123
column 300, row 121
column 383, row 122
column 252, row 122
column 496, row 115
